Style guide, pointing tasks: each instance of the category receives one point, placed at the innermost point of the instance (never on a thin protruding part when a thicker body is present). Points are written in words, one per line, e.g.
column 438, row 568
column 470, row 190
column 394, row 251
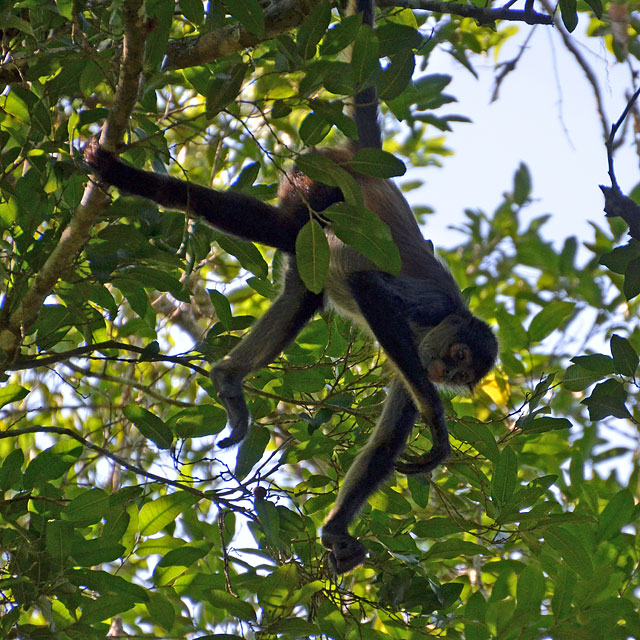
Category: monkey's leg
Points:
column 267, row 338
column 229, row 211
column 371, row 466
column 381, row 309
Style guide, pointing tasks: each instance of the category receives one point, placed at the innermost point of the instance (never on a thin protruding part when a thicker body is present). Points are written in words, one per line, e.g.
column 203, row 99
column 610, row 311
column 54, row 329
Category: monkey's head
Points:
column 459, row 351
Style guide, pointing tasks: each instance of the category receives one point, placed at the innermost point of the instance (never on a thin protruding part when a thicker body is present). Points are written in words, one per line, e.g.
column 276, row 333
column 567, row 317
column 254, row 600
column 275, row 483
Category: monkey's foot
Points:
column 414, row 465
column 229, row 388
column 345, row 552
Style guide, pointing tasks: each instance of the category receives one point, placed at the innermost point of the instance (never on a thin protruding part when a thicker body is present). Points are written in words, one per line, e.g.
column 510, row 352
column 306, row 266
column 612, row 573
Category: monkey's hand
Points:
column 413, row 465
column 98, row 159
column 228, row 384
column 345, row 552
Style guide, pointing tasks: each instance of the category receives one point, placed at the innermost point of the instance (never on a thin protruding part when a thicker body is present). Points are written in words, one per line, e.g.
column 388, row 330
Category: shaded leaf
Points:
column 607, row 399
column 150, row 426
column 624, row 356
column 249, row 13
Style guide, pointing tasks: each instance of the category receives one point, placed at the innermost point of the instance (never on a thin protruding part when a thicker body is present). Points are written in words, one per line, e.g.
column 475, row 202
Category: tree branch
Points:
column 93, row 202
column 148, row 356
column 279, row 18
column 616, row 204
column 210, row 494
column 483, row 15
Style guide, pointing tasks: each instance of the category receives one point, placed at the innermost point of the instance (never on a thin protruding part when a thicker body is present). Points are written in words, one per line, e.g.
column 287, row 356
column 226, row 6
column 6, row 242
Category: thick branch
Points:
column 77, row 233
column 279, row 18
column 481, row 14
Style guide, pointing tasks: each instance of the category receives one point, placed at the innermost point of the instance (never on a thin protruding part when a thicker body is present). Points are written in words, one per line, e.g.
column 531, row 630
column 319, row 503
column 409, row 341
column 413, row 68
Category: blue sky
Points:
column 545, row 117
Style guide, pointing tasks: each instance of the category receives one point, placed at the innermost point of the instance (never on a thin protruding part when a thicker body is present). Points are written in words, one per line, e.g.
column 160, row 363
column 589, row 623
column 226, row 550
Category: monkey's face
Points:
column 447, row 354
column 451, row 365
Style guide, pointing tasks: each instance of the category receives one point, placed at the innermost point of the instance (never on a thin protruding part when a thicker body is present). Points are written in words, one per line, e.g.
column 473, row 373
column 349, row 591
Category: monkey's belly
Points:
column 344, row 262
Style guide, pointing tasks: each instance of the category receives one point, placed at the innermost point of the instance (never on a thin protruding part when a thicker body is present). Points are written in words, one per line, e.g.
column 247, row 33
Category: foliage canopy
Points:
column 117, row 509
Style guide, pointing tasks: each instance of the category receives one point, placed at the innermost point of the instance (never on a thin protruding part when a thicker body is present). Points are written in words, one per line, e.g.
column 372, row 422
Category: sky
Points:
column 545, row 116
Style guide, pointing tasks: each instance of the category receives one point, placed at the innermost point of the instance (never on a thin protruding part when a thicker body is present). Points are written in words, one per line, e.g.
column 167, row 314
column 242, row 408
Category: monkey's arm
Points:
column 228, row 211
column 388, row 321
column 267, row 338
column 370, row 467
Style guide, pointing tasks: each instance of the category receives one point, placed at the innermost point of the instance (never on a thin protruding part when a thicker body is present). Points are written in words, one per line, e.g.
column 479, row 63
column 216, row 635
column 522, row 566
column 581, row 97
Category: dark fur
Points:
column 418, row 317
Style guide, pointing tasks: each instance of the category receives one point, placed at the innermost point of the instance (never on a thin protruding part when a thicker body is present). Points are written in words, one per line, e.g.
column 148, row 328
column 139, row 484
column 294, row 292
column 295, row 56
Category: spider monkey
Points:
column 418, row 317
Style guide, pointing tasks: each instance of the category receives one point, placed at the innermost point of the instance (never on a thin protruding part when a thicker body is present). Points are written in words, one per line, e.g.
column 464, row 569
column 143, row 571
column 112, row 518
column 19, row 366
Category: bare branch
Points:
column 616, row 204
column 481, row 14
column 210, row 494
column 572, row 47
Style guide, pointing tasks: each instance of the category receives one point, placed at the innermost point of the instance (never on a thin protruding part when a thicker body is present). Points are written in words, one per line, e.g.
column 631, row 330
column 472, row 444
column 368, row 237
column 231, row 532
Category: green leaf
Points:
column 598, row 363
column 564, row 587
column 454, row 548
column 530, row 591
column 549, row 319
column 631, row 287
column 396, row 39
column 617, row 513
column 435, row 528
column 160, row 512
column 397, row 76
column 231, row 604
column 341, row 35
column 247, row 254
column 193, row 10
column 156, row 279
column 578, row 379
column 314, row 129
column 365, row 232
column 150, row 426
column 571, row 550
column 159, row 607
column 596, row 6
column 222, row 307
column 607, row 399
column 569, row 11
column 88, row 553
column 313, row 29
column 249, row 13
column 547, row 423
column 364, row 57
column 11, row 471
column 186, row 554
column 269, row 520
column 51, row 464
column 88, row 507
column 505, row 476
column 12, row 393
column 312, row 256
column 511, row 332
column 479, row 436
column 251, row 450
column 377, row 163
column 624, row 356
column 224, row 89
column 58, row 540
column 619, row 258
column 521, row 185
column 161, row 16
